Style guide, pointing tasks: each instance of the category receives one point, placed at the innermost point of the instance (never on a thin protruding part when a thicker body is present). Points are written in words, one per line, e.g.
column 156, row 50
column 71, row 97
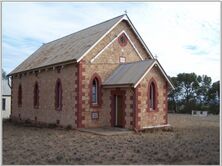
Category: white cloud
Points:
column 177, row 32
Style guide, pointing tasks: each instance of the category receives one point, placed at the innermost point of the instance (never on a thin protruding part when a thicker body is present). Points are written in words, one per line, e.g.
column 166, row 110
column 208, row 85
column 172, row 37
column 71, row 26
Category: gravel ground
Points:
column 194, row 140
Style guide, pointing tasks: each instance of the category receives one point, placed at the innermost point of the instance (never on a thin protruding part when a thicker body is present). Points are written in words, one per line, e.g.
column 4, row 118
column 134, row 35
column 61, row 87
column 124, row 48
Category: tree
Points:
column 214, row 98
column 188, row 86
column 203, row 90
column 194, row 92
column 214, row 93
column 173, row 96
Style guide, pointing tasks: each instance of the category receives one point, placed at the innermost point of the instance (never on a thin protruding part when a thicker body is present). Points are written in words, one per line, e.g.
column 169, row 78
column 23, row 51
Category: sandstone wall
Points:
column 46, row 112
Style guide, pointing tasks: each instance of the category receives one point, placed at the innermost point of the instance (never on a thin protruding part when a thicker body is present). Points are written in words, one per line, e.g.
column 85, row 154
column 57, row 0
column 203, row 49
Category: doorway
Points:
column 118, row 111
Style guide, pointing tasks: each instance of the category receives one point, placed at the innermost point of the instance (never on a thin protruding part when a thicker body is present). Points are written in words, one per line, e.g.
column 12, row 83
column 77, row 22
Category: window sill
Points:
column 58, row 109
column 152, row 110
column 92, row 105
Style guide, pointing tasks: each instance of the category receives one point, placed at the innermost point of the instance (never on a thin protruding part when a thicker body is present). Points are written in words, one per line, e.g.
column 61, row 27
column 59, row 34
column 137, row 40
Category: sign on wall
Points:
column 95, row 115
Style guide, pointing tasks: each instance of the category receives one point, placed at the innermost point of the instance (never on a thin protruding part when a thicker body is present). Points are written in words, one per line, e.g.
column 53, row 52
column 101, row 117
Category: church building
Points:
column 100, row 76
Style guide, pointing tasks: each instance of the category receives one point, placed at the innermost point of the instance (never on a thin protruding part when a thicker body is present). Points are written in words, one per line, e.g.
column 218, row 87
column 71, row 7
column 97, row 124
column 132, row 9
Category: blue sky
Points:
column 185, row 36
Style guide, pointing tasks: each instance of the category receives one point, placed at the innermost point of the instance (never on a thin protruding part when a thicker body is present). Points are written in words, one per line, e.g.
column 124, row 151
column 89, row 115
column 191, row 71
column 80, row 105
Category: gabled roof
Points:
column 131, row 74
column 6, row 90
column 68, row 48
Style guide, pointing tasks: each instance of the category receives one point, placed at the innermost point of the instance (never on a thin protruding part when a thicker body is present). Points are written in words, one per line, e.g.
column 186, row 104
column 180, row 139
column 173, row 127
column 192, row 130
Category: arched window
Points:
column 36, row 95
column 20, row 95
column 152, row 96
column 95, row 91
column 58, row 95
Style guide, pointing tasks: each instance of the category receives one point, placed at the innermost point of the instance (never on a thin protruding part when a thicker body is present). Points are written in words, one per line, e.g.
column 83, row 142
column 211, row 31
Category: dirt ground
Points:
column 194, row 140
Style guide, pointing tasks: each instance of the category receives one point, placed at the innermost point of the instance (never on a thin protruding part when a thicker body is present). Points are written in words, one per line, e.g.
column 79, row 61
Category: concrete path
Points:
column 107, row 131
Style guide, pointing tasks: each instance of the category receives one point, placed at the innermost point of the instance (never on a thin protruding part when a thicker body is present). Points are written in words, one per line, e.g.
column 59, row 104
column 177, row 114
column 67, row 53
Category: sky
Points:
column 185, row 36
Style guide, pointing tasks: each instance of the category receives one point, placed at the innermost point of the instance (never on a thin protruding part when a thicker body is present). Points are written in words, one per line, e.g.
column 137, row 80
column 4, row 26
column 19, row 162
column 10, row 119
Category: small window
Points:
column 3, row 104
column 152, row 96
column 123, row 40
column 36, row 95
column 20, row 96
column 122, row 59
column 95, row 91
column 58, row 95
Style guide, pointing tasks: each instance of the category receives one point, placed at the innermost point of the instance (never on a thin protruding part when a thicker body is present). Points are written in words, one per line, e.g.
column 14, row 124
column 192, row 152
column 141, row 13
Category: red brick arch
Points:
column 58, row 95
column 152, row 80
column 99, row 93
column 36, row 95
column 20, row 95
column 123, row 40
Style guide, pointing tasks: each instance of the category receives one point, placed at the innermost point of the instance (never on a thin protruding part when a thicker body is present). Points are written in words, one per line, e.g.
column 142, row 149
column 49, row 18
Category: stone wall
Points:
column 46, row 112
column 111, row 49
column 146, row 116
column 104, row 65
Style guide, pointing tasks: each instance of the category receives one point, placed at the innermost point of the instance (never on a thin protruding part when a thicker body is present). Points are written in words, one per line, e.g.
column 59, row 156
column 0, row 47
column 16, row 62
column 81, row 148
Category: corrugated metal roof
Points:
column 6, row 90
column 67, row 48
column 129, row 73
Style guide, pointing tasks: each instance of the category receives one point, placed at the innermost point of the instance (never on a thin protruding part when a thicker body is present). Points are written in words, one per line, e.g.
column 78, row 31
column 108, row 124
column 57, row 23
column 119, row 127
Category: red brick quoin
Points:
column 166, row 102
column 136, row 109
column 79, row 87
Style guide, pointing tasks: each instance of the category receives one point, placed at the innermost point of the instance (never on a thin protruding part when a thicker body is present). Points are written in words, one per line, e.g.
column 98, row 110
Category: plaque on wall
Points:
column 95, row 115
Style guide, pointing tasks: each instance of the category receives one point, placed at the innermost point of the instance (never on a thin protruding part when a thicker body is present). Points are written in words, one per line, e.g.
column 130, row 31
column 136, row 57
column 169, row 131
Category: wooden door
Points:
column 118, row 111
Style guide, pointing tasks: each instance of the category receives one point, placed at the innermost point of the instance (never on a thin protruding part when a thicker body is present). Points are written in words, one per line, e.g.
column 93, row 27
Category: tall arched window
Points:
column 95, row 91
column 36, row 95
column 20, row 95
column 58, row 95
column 152, row 96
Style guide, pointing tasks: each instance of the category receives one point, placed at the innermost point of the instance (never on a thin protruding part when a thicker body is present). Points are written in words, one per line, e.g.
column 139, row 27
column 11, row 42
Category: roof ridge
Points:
column 138, row 61
column 84, row 29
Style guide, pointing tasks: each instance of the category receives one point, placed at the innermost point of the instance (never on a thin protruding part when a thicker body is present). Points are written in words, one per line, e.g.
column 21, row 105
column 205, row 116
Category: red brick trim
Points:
column 36, row 95
column 166, row 101
column 99, row 93
column 12, row 96
column 136, row 110
column 124, row 109
column 79, row 94
column 58, row 101
column 122, row 93
column 123, row 40
column 152, row 80
column 131, row 110
column 112, row 107
column 20, row 95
